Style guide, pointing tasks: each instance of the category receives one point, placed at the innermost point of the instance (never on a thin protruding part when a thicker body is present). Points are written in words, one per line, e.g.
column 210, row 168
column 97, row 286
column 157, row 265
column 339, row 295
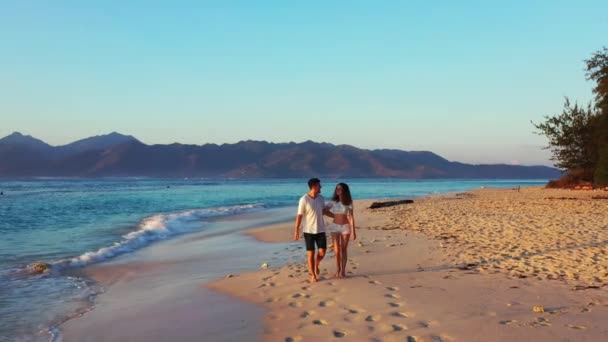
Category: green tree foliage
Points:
column 597, row 70
column 571, row 137
column 578, row 137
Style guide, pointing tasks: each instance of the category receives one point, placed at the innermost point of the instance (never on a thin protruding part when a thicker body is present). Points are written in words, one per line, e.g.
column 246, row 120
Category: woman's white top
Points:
column 337, row 208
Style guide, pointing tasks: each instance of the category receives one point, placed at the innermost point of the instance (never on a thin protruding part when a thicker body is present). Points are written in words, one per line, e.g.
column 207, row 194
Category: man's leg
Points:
column 320, row 255
column 310, row 255
column 321, row 245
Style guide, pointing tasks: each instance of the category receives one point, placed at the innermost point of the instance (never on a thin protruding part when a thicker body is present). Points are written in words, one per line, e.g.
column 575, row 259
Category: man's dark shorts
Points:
column 319, row 239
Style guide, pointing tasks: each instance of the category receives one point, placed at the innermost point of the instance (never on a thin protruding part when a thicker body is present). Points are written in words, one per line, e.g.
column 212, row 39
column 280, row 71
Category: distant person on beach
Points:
column 343, row 226
column 311, row 209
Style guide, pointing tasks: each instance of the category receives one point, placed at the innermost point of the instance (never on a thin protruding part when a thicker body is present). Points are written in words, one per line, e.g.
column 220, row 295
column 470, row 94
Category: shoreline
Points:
column 167, row 279
column 147, row 262
column 415, row 289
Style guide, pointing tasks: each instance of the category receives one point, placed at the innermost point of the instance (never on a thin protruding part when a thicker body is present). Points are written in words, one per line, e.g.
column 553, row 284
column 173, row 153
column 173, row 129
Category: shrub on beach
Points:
column 573, row 179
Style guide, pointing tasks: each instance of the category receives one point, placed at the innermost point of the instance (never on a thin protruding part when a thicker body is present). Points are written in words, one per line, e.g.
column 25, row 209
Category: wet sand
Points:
column 159, row 292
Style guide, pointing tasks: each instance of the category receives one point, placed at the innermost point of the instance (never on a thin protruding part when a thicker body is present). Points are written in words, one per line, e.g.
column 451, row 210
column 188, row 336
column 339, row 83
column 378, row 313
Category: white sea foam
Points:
column 154, row 228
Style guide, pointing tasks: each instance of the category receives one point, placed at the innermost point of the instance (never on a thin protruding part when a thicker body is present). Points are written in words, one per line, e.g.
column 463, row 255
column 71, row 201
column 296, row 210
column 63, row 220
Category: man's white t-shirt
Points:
column 311, row 210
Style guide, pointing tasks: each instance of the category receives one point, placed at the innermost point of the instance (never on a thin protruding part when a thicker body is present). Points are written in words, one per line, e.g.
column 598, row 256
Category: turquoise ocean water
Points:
column 74, row 223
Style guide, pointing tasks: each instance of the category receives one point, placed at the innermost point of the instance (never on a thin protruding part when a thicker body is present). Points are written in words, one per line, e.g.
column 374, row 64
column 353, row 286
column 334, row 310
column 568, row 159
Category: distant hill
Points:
column 28, row 141
column 98, row 142
column 117, row 155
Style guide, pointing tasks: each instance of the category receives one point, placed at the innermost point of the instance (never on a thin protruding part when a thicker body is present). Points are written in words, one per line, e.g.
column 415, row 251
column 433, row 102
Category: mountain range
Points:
column 118, row 155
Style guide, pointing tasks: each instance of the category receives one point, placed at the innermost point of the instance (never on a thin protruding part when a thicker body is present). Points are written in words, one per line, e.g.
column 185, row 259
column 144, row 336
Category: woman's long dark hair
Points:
column 347, row 199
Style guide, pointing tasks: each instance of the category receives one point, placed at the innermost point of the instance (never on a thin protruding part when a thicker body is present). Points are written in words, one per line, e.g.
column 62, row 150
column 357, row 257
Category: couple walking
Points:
column 311, row 209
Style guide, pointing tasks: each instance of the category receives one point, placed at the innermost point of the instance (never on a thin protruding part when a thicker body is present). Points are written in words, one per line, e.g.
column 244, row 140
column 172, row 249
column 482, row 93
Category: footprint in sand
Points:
column 439, row 338
column 392, row 288
column 541, row 321
column 319, row 322
column 305, row 288
column 399, row 327
column 306, row 314
column 295, row 304
column 424, row 324
column 297, row 295
column 271, row 300
column 395, row 305
column 326, row 303
column 372, row 318
column 392, row 295
column 353, row 310
column 293, row 339
column 412, row 339
column 374, row 282
column 576, row 327
column 508, row 322
column 399, row 314
column 339, row 334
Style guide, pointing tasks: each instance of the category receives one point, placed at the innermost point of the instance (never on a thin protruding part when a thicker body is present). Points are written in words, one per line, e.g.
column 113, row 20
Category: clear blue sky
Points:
column 460, row 78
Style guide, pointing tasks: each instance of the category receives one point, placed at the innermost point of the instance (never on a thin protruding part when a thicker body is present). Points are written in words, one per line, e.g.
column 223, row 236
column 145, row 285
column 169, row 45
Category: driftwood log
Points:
column 376, row 205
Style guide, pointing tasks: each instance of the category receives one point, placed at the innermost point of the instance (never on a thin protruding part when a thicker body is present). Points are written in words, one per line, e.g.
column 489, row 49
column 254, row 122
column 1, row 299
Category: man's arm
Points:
column 327, row 212
column 296, row 234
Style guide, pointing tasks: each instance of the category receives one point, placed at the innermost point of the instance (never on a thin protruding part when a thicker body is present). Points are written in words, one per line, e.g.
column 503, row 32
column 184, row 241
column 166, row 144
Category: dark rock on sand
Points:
column 376, row 205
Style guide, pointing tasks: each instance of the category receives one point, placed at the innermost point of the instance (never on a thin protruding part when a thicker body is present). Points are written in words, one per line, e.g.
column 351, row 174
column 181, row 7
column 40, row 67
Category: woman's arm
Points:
column 351, row 220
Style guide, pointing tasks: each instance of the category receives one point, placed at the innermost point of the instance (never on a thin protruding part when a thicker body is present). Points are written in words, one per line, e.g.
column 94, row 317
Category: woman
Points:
column 343, row 226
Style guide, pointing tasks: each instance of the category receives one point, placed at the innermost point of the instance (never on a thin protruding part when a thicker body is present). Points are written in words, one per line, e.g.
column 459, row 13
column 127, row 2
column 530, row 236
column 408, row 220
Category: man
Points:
column 310, row 216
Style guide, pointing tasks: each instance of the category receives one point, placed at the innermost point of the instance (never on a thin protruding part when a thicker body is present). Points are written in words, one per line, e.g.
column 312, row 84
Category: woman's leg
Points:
column 344, row 253
column 336, row 240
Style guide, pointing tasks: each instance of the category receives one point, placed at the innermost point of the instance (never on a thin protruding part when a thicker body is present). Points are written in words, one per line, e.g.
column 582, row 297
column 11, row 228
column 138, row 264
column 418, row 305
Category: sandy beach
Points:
column 485, row 265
